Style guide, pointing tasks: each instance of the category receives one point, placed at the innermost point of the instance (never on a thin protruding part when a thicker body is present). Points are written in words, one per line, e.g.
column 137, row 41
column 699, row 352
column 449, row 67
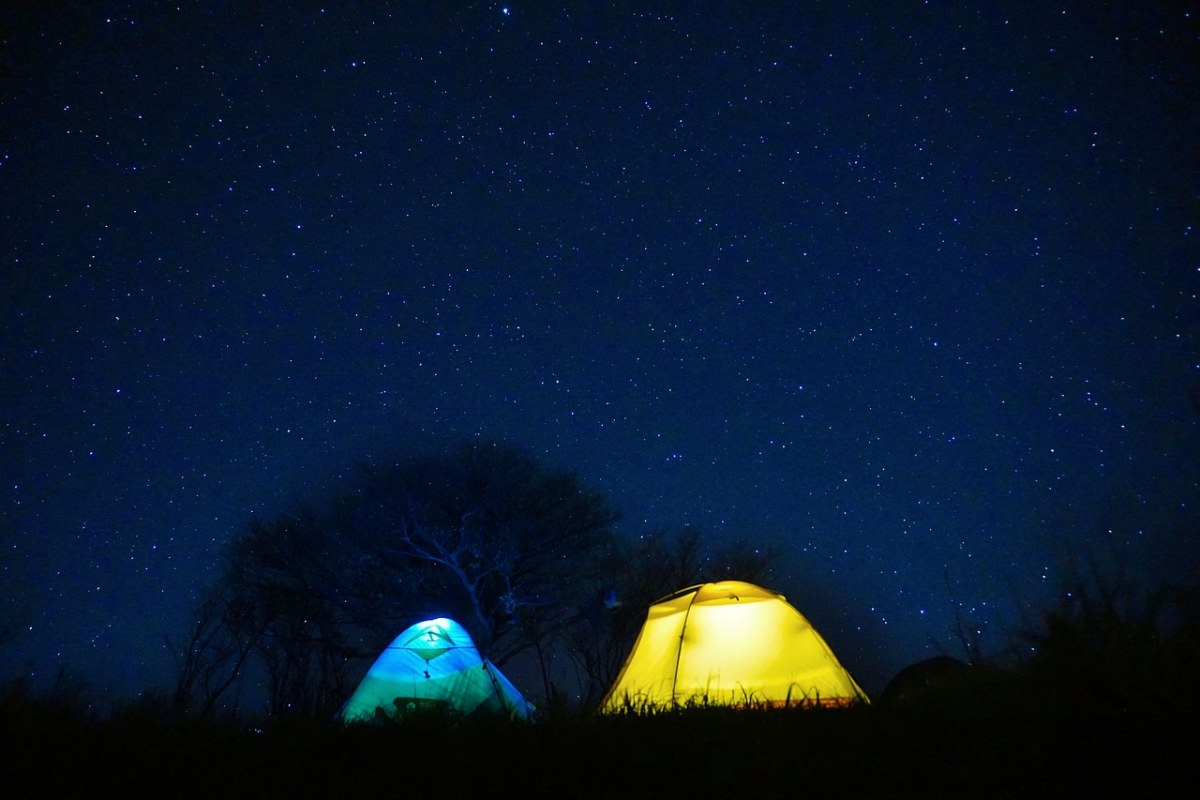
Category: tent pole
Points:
column 679, row 647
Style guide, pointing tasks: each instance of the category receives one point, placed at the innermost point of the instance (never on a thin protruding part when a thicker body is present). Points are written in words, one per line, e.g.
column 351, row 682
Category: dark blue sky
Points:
column 905, row 290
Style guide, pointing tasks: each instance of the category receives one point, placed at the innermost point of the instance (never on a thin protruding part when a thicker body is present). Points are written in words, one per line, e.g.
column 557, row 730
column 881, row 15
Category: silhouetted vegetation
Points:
column 1106, row 697
column 986, row 733
column 1105, row 693
column 1113, row 644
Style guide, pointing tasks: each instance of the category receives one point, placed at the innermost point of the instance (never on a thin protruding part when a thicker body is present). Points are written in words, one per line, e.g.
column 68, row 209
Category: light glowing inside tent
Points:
column 729, row 643
column 433, row 664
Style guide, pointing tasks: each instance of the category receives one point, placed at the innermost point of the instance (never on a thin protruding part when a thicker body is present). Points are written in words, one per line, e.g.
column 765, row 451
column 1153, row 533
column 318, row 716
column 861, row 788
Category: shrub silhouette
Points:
column 1113, row 645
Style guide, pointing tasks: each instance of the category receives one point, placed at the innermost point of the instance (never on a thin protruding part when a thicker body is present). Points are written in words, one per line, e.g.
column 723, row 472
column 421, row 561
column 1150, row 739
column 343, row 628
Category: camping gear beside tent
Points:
column 434, row 664
column 729, row 643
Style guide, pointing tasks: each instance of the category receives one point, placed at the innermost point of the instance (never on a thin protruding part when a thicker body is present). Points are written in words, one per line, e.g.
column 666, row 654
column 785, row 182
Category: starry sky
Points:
column 906, row 290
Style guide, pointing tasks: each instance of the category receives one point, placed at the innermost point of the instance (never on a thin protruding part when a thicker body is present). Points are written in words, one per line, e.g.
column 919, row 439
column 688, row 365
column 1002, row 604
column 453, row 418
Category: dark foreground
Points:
column 1004, row 745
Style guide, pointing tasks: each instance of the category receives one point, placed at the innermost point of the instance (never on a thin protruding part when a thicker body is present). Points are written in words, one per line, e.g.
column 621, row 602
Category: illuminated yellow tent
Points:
column 729, row 643
column 434, row 665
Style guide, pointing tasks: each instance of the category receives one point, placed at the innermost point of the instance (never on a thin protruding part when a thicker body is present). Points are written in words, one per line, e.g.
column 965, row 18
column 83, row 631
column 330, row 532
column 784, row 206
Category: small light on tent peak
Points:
column 430, row 641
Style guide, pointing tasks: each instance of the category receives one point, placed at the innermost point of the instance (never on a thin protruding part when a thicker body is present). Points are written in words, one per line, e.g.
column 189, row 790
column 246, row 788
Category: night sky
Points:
column 904, row 290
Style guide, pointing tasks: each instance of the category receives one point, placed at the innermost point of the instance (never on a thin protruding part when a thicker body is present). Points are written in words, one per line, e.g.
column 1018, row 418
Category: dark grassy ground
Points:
column 1106, row 707
column 984, row 737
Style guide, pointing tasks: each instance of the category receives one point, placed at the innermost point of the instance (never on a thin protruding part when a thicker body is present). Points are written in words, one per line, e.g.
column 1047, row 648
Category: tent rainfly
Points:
column 433, row 664
column 729, row 643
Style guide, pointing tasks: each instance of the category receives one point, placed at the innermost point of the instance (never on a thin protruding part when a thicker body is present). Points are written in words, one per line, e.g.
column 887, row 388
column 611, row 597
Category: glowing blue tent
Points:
column 434, row 665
